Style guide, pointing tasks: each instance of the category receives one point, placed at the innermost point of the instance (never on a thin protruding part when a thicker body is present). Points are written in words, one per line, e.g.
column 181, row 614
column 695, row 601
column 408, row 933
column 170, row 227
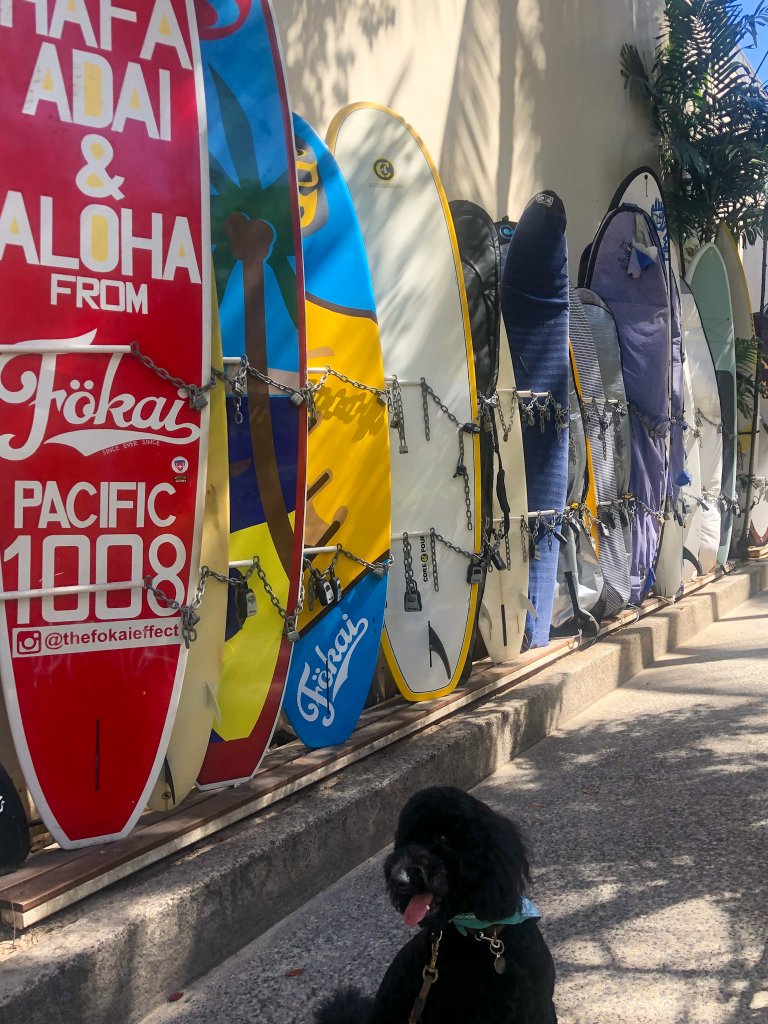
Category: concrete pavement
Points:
column 648, row 818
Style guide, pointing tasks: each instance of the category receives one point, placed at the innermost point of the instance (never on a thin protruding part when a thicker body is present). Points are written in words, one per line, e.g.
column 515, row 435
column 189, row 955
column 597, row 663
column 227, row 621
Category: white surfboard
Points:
column 505, row 597
column 706, row 419
column 425, row 333
column 690, row 494
column 743, row 329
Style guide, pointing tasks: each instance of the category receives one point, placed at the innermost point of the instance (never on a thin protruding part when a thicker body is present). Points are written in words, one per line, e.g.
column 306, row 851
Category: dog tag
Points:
column 499, row 965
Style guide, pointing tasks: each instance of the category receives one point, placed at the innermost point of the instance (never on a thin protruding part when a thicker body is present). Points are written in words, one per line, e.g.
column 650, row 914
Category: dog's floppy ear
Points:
column 502, row 883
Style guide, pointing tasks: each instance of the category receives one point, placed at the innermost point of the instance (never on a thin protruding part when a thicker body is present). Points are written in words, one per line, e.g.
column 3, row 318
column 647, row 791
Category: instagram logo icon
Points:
column 28, row 641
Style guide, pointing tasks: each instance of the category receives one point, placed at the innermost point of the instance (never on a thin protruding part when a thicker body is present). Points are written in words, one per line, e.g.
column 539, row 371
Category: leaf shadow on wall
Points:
column 318, row 61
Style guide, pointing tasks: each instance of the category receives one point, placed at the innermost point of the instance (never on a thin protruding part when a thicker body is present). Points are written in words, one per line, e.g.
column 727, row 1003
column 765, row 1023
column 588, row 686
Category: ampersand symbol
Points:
column 92, row 179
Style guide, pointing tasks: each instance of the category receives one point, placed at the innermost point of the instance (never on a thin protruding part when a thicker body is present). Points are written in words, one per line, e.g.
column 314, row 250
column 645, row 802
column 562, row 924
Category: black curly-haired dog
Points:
column 458, row 871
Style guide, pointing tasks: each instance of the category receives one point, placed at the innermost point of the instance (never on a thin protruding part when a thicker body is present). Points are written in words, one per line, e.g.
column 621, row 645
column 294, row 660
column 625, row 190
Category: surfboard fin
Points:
column 168, row 779
column 436, row 647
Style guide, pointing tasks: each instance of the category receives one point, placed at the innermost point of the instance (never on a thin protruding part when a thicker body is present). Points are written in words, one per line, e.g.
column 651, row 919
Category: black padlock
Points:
column 623, row 516
column 412, row 600
column 241, row 602
column 335, row 583
column 475, row 572
column 497, row 559
column 324, row 591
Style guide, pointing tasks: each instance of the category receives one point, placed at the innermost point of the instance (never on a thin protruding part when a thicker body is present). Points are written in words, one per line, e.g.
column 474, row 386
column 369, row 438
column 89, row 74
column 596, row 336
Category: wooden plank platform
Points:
column 755, row 554
column 53, row 879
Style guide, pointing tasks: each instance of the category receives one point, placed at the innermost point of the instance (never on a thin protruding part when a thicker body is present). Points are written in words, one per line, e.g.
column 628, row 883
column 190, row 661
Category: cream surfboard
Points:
column 505, row 596
column 707, row 276
column 744, row 330
column 424, row 327
column 198, row 705
column 690, row 493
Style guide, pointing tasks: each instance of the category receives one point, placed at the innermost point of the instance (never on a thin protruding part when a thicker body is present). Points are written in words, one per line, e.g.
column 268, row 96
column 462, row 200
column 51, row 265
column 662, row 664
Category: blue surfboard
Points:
column 534, row 302
column 348, row 499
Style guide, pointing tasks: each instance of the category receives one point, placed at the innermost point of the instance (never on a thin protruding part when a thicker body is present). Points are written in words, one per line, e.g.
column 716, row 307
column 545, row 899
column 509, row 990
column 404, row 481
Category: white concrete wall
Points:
column 510, row 96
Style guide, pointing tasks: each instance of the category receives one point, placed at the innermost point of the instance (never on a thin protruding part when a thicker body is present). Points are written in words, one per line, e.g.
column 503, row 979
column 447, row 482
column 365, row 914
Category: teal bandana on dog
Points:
column 465, row 922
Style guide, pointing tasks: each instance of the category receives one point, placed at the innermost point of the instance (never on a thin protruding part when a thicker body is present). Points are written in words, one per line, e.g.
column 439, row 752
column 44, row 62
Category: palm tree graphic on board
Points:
column 254, row 226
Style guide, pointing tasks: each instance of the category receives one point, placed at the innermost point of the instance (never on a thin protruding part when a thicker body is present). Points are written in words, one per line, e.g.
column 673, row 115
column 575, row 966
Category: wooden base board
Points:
column 755, row 554
column 53, row 879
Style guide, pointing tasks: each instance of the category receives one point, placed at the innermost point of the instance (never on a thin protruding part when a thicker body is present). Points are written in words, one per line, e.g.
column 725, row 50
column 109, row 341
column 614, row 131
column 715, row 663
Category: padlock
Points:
column 412, row 600
column 198, row 401
column 324, row 591
column 475, row 572
column 609, row 519
column 704, row 505
column 241, row 602
column 291, row 633
column 623, row 516
column 335, row 583
column 297, row 398
column 499, row 562
column 461, row 470
column 239, row 387
column 251, row 608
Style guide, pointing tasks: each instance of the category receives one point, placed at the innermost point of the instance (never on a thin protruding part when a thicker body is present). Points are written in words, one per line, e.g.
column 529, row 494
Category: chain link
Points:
column 328, row 371
column 453, row 547
column 397, row 422
column 433, row 556
column 196, row 395
column 656, row 432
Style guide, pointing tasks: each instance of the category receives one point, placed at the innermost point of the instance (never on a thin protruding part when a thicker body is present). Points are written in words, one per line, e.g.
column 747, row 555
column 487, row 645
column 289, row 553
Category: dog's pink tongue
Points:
column 417, row 909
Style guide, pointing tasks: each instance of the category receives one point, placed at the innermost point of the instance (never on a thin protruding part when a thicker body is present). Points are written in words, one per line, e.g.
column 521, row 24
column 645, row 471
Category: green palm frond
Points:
column 709, row 115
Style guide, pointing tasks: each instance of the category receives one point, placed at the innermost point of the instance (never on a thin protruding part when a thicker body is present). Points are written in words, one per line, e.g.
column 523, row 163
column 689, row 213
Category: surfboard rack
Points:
column 82, row 588
column 64, row 350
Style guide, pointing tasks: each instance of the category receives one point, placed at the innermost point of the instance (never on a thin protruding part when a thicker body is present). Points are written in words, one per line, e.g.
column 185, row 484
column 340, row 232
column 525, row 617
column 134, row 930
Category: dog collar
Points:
column 466, row 923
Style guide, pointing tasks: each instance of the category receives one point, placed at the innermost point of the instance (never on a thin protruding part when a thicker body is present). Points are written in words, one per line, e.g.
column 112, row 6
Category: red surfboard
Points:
column 104, row 245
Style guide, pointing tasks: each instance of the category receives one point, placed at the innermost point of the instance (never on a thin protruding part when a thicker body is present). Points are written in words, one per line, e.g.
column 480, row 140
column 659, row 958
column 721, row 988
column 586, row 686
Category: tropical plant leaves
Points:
column 709, row 114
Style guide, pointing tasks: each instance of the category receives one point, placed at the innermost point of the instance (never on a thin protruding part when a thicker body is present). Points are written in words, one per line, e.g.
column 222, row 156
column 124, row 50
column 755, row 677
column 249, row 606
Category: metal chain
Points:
column 461, row 470
column 378, row 568
column 453, row 547
column 196, row 395
column 655, row 432
column 410, row 582
column 427, row 390
column 525, row 536
column 701, row 418
column 328, row 371
column 506, row 427
column 397, row 422
column 433, row 556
